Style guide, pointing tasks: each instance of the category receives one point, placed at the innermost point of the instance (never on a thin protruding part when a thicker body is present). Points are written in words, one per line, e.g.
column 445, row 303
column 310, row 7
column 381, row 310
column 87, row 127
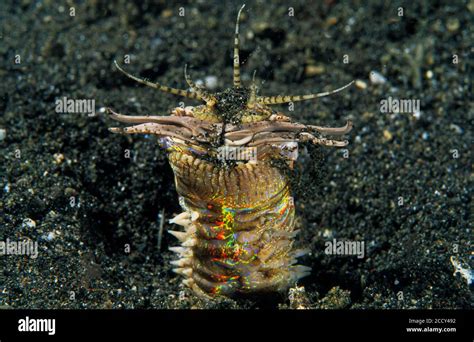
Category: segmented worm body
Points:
column 227, row 158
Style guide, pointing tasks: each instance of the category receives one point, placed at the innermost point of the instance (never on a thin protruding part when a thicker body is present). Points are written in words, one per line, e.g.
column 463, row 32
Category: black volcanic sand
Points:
column 67, row 184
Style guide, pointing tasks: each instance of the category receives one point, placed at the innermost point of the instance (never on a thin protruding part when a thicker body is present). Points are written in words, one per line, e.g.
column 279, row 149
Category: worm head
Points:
column 236, row 116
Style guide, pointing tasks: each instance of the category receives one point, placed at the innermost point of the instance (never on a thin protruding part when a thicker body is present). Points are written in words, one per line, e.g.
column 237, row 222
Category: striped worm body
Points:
column 230, row 159
column 238, row 226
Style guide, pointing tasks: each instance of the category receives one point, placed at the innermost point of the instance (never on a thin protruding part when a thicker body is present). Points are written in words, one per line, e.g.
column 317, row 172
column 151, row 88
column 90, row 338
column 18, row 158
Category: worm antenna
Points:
column 208, row 98
column 236, row 51
column 253, row 91
column 285, row 99
column 163, row 88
